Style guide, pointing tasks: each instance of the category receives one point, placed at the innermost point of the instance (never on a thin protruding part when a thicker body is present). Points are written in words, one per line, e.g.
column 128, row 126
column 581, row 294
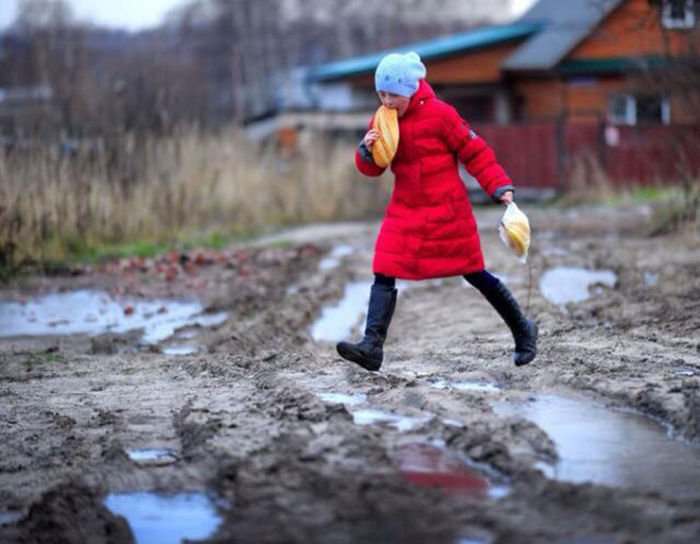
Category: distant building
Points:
column 560, row 58
column 565, row 80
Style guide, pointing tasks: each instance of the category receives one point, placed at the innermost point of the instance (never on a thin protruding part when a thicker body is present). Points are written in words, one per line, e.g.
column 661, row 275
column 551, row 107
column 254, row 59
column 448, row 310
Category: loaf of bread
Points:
column 386, row 121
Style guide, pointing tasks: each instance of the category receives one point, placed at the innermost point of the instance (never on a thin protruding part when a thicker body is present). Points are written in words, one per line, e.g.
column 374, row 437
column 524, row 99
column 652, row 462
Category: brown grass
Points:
column 164, row 189
column 587, row 181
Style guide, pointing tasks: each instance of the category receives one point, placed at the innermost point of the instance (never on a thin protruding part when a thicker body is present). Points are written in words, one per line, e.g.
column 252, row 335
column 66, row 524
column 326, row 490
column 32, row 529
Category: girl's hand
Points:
column 371, row 137
column 507, row 198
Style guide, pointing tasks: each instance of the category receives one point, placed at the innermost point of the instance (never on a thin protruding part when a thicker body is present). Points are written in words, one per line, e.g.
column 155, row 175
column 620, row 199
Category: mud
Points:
column 262, row 418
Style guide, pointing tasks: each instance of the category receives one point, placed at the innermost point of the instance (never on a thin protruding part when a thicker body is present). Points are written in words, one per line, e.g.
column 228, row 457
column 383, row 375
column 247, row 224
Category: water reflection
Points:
column 337, row 321
column 165, row 519
column 430, row 466
column 332, row 260
column 475, row 386
column 343, row 398
column 611, row 447
column 564, row 284
column 96, row 312
column 401, row 423
column 11, row 516
column 151, row 456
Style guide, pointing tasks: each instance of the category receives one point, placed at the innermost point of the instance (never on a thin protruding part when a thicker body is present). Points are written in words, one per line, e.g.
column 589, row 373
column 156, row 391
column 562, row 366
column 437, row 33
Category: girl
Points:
column 429, row 230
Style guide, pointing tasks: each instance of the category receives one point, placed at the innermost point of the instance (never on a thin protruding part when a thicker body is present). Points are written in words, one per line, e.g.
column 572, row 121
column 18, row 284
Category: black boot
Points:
column 368, row 353
column 524, row 330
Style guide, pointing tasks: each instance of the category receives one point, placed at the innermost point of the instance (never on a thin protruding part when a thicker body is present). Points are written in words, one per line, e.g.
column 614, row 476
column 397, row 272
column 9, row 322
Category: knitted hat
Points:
column 399, row 74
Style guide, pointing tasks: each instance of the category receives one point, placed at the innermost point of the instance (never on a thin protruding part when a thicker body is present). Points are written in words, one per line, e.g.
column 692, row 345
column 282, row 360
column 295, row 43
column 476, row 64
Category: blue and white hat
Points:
column 399, row 74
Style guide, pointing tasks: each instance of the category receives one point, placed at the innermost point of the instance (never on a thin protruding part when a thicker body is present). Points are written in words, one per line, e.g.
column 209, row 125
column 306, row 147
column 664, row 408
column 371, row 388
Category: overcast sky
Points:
column 131, row 14
column 134, row 14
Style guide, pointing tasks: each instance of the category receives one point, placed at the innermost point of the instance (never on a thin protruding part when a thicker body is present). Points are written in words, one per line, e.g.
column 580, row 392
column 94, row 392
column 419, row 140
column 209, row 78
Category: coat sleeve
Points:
column 365, row 166
column 476, row 155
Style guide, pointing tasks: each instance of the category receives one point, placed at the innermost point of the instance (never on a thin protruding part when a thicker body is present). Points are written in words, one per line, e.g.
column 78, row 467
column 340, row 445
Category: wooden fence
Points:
column 563, row 154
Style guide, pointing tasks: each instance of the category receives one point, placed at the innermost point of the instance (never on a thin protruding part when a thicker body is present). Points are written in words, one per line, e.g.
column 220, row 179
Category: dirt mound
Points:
column 70, row 513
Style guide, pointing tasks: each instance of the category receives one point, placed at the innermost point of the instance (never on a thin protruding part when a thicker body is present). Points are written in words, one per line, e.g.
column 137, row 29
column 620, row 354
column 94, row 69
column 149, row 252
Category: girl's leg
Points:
column 384, row 280
column 524, row 330
column 483, row 280
column 368, row 353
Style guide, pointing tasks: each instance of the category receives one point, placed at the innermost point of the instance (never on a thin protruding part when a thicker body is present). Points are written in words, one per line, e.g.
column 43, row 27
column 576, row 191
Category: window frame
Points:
column 668, row 21
column 630, row 116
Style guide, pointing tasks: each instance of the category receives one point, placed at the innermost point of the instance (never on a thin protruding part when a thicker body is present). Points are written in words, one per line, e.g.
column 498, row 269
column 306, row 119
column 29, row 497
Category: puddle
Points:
column 186, row 334
column 564, row 284
column 343, row 398
column 430, row 466
column 370, row 416
column 337, row 322
column 479, row 387
column 684, row 372
column 293, row 289
column 332, row 260
column 452, row 422
column 96, row 312
column 611, row 447
column 180, row 350
column 651, row 278
column 10, row 517
column 554, row 251
column 152, row 457
column 166, row 519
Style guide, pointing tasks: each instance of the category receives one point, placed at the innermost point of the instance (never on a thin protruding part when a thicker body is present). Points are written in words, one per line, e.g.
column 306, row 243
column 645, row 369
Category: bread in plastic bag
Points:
column 514, row 230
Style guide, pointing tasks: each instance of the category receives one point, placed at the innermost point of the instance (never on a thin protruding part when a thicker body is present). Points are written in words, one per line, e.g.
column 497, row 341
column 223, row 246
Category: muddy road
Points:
column 237, row 422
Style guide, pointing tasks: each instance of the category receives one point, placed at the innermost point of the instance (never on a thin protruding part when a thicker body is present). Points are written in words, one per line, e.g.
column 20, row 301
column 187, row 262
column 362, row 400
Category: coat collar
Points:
column 424, row 92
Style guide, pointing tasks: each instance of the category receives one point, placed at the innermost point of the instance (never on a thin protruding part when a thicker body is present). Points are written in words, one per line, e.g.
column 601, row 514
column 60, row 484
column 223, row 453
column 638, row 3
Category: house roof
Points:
column 551, row 29
column 565, row 25
column 429, row 49
column 611, row 65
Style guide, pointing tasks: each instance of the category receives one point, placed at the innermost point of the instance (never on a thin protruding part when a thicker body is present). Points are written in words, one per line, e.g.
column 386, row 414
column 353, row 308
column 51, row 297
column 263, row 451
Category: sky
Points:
column 520, row 6
column 129, row 14
column 134, row 14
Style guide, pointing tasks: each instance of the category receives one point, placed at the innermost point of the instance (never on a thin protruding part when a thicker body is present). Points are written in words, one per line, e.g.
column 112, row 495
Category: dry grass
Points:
column 587, row 181
column 680, row 213
column 164, row 189
column 676, row 206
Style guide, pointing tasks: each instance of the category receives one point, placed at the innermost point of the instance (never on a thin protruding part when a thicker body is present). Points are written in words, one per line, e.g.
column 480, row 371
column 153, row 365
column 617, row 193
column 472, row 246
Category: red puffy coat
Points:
column 429, row 230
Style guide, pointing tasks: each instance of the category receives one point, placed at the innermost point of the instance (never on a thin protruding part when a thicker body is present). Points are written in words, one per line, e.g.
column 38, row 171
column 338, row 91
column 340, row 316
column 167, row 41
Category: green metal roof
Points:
column 429, row 49
column 613, row 65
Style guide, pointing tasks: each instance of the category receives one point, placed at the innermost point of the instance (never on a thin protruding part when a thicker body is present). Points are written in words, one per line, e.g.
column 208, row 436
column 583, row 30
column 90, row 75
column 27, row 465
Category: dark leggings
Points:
column 484, row 281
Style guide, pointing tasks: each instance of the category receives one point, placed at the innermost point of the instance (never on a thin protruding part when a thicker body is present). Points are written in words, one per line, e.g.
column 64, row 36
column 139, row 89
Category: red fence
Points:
column 564, row 154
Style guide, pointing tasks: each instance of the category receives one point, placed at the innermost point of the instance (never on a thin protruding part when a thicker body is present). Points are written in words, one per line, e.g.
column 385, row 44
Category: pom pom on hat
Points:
column 399, row 74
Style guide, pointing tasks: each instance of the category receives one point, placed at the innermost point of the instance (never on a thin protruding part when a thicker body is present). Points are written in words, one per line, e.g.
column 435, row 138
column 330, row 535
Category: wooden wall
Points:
column 477, row 67
column 632, row 30
column 584, row 97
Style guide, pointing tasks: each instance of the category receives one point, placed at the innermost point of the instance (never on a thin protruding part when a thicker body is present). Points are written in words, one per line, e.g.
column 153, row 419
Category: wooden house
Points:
column 569, row 77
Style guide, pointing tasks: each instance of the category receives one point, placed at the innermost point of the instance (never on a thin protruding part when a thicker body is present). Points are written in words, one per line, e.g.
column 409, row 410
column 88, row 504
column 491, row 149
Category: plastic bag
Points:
column 514, row 230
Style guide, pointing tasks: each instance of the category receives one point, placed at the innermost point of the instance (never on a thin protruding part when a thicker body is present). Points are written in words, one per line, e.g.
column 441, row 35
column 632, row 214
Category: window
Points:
column 621, row 110
column 678, row 13
column 628, row 109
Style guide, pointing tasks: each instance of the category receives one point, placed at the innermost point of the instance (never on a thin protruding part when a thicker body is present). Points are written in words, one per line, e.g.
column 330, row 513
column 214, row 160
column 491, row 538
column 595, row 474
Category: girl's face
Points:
column 394, row 101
